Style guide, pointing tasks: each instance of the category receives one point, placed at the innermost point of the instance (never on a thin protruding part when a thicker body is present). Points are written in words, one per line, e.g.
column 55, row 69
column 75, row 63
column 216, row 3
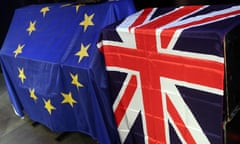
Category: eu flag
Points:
column 53, row 70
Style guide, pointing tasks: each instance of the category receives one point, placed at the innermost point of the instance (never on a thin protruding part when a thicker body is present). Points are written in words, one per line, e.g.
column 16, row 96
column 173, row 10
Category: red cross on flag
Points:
column 166, row 72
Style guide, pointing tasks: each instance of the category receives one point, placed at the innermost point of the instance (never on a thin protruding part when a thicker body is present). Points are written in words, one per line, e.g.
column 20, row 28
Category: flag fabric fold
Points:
column 53, row 70
column 166, row 72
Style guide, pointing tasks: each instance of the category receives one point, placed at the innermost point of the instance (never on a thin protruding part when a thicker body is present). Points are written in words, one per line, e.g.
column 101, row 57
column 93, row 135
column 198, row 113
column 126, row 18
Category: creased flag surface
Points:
column 53, row 70
column 166, row 68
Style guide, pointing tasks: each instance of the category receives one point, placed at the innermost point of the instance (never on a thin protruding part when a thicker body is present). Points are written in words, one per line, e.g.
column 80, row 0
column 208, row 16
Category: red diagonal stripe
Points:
column 125, row 100
column 149, row 29
column 179, row 122
column 167, row 34
column 151, row 67
column 142, row 17
column 170, row 17
column 208, row 19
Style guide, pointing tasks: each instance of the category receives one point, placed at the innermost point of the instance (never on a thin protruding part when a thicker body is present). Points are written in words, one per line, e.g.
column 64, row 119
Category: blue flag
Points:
column 53, row 70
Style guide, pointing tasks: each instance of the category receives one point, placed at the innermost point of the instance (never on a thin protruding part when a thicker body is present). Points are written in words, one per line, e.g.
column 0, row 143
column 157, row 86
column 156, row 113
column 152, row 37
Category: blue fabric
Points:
column 53, row 70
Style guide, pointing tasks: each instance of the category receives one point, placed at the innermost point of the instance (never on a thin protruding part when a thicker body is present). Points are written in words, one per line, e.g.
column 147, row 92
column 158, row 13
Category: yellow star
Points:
column 75, row 80
column 48, row 106
column 44, row 10
column 87, row 21
column 68, row 99
column 18, row 50
column 82, row 52
column 32, row 94
column 78, row 6
column 31, row 27
column 21, row 74
column 66, row 5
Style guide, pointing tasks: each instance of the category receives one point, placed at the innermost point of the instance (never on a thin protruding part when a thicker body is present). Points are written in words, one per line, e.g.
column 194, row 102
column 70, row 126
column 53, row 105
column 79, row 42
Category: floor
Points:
column 14, row 130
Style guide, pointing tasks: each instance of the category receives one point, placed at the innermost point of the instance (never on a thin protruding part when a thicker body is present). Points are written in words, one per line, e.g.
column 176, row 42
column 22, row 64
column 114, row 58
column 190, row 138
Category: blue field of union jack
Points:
column 166, row 72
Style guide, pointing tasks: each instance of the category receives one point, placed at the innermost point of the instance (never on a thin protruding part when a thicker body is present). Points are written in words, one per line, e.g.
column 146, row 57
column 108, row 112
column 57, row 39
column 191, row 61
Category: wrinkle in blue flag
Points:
column 53, row 70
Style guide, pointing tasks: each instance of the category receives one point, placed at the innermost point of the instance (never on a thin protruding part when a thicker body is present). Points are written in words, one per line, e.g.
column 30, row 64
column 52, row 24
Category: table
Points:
column 168, row 73
column 53, row 70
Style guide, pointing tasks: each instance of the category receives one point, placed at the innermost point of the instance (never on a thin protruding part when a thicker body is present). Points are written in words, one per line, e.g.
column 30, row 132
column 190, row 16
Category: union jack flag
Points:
column 166, row 71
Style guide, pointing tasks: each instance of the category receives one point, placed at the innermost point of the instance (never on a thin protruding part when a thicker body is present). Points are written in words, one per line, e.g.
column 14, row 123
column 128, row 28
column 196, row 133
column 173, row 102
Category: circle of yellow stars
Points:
column 83, row 52
column 68, row 97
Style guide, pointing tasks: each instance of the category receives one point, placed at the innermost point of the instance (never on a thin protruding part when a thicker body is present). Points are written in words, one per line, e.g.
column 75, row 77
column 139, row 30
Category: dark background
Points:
column 7, row 8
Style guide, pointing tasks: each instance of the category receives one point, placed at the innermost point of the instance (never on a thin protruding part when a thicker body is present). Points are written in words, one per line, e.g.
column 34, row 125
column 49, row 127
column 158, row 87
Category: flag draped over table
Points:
column 53, row 70
column 166, row 68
